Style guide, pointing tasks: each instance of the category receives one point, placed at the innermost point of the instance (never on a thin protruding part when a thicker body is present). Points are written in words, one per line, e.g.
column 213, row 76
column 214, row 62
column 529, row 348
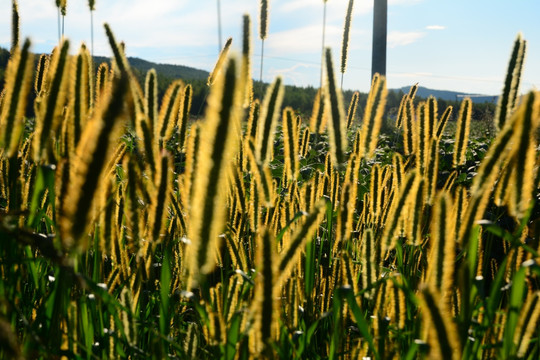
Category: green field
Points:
column 129, row 230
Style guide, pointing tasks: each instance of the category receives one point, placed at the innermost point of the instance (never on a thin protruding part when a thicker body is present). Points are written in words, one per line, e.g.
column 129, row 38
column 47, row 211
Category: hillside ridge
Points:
column 184, row 72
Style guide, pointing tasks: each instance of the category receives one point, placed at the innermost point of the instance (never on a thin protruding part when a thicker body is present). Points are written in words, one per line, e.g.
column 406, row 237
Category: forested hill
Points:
column 299, row 98
column 450, row 95
column 166, row 70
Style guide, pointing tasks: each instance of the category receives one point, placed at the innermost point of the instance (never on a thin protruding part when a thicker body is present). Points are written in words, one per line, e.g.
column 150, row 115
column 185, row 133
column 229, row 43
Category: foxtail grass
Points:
column 110, row 238
column 432, row 115
column 131, row 208
column 462, row 134
column 412, row 91
column 442, row 333
column 289, row 256
column 15, row 26
column 352, row 109
column 183, row 117
column 49, row 116
column 220, row 61
column 290, row 138
column 306, row 135
column 375, row 207
column 41, row 74
column 345, row 40
column 18, row 84
column 262, row 179
column 266, row 123
column 508, row 100
column 371, row 256
column 120, row 60
column 441, row 260
column 192, row 150
column 92, row 153
column 79, row 94
column 169, row 112
column 246, row 60
column 102, row 80
column 423, row 140
column 253, row 120
column 442, row 123
column 373, row 115
column 263, row 19
column 527, row 323
column 432, row 172
column 334, row 104
column 409, row 130
column 523, row 159
column 151, row 101
column 158, row 208
column 265, row 305
column 317, row 121
column 220, row 135
column 263, row 31
column 390, row 234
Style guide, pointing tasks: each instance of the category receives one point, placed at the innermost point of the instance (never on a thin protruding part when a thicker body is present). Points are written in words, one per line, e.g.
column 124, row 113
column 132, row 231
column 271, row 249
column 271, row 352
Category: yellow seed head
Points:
column 220, row 61
column 334, row 108
column 462, row 133
column 438, row 322
column 263, row 19
column 220, row 138
column 17, row 87
column 373, row 115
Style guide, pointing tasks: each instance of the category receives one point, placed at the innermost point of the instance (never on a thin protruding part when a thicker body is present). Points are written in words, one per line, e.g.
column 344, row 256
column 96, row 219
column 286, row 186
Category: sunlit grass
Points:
column 128, row 231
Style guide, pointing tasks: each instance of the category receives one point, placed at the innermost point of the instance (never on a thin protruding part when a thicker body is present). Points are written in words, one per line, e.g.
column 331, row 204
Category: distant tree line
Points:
column 299, row 98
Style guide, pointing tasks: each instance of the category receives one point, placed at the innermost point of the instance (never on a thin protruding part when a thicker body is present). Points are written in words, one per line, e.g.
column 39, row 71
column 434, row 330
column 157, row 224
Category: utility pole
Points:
column 380, row 24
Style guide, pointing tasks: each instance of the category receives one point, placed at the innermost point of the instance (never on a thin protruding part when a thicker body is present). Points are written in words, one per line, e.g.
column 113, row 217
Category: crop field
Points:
column 128, row 230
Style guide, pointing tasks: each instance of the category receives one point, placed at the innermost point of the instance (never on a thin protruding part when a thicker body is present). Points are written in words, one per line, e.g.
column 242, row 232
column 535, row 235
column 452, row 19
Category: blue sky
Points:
column 460, row 45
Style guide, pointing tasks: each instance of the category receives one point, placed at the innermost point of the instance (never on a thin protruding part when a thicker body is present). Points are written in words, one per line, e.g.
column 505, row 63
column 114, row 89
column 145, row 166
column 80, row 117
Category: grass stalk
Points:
column 219, row 143
column 334, row 104
column 345, row 40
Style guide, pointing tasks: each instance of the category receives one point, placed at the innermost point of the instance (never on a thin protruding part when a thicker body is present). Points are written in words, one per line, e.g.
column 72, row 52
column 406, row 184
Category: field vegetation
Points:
column 129, row 230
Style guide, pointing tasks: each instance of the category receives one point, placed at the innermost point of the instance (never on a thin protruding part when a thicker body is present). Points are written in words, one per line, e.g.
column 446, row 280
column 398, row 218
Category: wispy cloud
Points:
column 404, row 2
column 302, row 40
column 399, row 38
column 435, row 27
column 295, row 74
column 293, row 6
column 307, row 40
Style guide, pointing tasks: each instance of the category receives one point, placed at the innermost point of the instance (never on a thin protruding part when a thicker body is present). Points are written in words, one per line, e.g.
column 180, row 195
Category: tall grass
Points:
column 130, row 231
column 263, row 31
column 92, row 8
column 345, row 40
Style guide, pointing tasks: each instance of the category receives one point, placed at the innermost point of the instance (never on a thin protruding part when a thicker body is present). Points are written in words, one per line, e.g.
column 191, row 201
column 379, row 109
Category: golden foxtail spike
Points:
column 334, row 104
column 220, row 138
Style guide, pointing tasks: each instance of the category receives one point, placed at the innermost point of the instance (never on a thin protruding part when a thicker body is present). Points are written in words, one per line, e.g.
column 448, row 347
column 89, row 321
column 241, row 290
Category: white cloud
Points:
column 301, row 40
column 404, row 2
column 295, row 74
column 292, row 6
column 399, row 38
column 435, row 27
column 307, row 40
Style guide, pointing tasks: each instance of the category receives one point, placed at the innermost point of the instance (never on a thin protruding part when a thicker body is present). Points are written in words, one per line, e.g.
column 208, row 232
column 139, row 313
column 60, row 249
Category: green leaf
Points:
column 361, row 322
column 514, row 307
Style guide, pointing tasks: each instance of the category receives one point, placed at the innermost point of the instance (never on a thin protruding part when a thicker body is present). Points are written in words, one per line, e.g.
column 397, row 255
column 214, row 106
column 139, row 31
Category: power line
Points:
column 353, row 67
